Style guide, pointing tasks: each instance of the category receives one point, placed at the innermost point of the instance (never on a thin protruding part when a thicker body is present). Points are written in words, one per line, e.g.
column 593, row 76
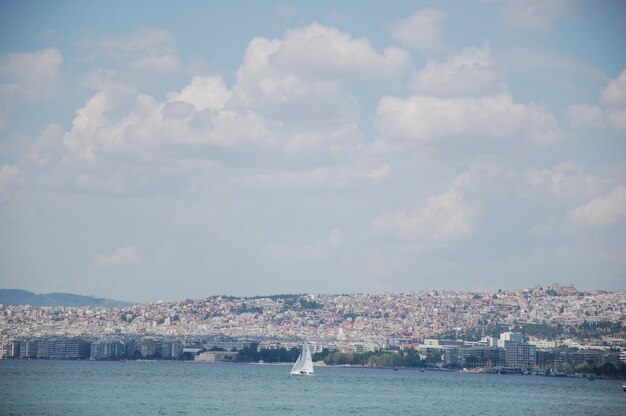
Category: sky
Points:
column 170, row 150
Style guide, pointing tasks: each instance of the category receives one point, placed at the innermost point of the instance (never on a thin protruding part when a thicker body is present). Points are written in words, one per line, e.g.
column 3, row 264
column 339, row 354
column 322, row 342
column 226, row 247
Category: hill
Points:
column 24, row 297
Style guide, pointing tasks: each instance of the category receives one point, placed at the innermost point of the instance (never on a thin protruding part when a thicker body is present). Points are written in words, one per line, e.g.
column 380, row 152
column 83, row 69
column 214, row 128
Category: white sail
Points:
column 304, row 363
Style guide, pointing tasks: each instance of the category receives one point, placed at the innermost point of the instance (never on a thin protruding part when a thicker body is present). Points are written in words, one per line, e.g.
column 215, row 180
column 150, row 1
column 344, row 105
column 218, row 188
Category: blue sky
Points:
column 152, row 150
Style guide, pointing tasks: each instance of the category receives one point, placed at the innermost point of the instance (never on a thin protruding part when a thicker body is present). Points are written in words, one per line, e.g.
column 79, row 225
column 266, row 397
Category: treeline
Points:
column 408, row 358
column 615, row 369
column 280, row 355
column 586, row 330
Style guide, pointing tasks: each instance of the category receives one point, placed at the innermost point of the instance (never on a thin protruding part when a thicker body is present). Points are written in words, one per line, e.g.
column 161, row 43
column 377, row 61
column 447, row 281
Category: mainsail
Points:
column 304, row 363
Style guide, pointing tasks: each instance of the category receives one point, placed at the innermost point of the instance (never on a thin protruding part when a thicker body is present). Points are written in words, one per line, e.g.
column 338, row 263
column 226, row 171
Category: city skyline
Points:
column 159, row 151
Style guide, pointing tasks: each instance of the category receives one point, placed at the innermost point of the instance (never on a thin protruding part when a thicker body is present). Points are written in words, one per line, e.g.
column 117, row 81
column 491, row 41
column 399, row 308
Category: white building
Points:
column 510, row 336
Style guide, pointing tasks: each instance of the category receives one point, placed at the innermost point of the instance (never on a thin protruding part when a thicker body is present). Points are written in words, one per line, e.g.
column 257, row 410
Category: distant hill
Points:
column 24, row 297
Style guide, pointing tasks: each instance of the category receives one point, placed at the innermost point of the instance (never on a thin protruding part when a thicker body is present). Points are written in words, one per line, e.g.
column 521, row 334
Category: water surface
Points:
column 42, row 387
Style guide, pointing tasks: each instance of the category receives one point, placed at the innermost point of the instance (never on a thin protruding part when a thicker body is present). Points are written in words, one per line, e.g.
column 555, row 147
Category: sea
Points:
column 83, row 388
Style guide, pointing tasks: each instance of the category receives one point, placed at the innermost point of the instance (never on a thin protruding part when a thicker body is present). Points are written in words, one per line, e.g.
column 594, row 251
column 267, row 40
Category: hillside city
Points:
column 466, row 327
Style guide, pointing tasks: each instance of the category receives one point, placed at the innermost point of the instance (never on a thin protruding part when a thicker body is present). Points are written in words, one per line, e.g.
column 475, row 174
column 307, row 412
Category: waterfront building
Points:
column 171, row 349
column 149, row 347
column 471, row 357
column 43, row 348
column 77, row 349
column 510, row 336
column 28, row 349
column 12, row 349
column 589, row 356
column 230, row 344
column 107, row 348
column 519, row 354
column 545, row 358
column 217, row 356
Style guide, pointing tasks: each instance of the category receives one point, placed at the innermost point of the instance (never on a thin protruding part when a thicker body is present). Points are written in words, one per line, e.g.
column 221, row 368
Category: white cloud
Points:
column 534, row 14
column 120, row 120
column 420, row 32
column 471, row 72
column 48, row 145
column 146, row 50
column 121, row 256
column 281, row 99
column 9, row 175
column 422, row 118
column 322, row 51
column 31, row 75
column 614, row 95
column 287, row 97
column 442, row 217
column 613, row 110
column 101, row 125
column 601, row 211
column 204, row 93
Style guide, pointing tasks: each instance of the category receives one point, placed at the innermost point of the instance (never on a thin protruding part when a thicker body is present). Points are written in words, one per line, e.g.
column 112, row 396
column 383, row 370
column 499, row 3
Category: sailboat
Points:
column 304, row 363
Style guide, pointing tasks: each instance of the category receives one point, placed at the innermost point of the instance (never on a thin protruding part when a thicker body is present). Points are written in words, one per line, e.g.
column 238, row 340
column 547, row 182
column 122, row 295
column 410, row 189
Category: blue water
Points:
column 117, row 388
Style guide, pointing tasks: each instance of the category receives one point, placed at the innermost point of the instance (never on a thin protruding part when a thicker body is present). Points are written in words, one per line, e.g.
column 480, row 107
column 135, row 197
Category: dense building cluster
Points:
column 512, row 350
column 356, row 322
column 120, row 347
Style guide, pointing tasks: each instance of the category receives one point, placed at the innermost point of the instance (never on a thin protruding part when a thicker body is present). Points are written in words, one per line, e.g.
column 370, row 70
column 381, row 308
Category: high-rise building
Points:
column 107, row 348
column 510, row 336
column 519, row 354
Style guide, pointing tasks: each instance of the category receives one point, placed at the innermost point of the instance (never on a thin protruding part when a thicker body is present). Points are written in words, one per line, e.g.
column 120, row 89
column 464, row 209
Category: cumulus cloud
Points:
column 471, row 72
column 612, row 111
column 204, row 93
column 420, row 32
column 287, row 95
column 101, row 125
column 121, row 256
column 297, row 81
column 601, row 211
column 30, row 75
column 319, row 50
column 534, row 14
column 118, row 119
column 442, row 217
column 48, row 146
column 614, row 94
column 422, row 118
